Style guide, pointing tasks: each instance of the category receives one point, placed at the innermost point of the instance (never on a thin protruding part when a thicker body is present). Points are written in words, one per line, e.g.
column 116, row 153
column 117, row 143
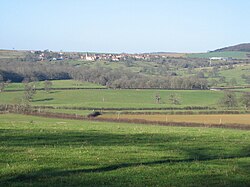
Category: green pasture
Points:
column 232, row 54
column 56, row 84
column 241, row 90
column 70, row 111
column 236, row 73
column 134, row 66
column 116, row 98
column 56, row 152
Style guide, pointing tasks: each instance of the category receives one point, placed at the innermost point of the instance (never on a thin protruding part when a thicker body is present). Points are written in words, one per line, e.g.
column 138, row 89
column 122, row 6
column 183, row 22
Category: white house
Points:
column 89, row 58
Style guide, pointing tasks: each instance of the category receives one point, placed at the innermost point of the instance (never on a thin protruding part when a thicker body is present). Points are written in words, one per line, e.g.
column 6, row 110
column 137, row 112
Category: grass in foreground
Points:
column 54, row 152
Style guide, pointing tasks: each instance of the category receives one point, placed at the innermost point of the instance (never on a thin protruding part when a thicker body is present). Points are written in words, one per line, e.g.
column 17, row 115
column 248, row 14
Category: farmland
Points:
column 205, row 119
column 144, row 136
column 116, row 98
column 124, row 93
column 47, row 152
column 56, row 85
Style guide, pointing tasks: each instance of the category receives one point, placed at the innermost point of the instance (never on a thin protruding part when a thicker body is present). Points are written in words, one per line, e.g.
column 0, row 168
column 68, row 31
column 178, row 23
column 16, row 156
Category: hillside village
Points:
column 47, row 55
column 125, row 93
column 54, row 56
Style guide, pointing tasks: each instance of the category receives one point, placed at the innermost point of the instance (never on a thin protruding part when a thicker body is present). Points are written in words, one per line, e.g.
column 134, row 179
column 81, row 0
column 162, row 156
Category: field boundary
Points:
column 180, row 112
column 41, row 89
column 121, row 109
column 131, row 121
column 230, row 88
column 110, row 88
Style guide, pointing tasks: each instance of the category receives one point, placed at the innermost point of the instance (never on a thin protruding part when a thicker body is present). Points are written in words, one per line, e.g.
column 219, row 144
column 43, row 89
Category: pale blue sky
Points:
column 124, row 25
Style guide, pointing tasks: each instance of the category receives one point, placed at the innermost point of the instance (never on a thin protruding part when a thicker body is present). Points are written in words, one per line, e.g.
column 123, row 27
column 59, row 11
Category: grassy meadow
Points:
column 56, row 84
column 116, row 98
column 232, row 54
column 38, row 151
column 236, row 73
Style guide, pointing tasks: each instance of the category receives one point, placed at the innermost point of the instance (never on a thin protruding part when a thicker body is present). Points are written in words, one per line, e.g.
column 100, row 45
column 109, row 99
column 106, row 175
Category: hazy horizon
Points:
column 123, row 26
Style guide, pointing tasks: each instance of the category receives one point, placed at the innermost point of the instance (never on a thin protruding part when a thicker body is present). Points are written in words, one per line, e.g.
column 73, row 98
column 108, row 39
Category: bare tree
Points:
column 245, row 99
column 174, row 99
column 29, row 91
column 229, row 99
column 47, row 86
column 3, row 84
column 157, row 98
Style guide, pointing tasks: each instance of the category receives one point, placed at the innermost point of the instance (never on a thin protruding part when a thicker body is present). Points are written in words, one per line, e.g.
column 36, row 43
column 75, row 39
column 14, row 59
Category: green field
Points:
column 54, row 152
column 232, row 54
column 242, row 90
column 56, row 84
column 110, row 98
column 69, row 111
column 236, row 73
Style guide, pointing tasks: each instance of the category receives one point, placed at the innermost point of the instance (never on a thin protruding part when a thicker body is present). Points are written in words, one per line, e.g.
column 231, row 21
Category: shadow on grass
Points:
column 53, row 91
column 53, row 173
column 200, row 150
column 35, row 138
column 40, row 100
column 197, row 147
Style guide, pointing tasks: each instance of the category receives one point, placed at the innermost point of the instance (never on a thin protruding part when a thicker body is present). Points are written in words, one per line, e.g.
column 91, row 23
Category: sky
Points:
column 131, row 26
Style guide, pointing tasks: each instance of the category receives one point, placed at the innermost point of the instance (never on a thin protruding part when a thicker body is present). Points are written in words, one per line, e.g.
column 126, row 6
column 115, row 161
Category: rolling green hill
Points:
column 240, row 51
column 240, row 47
column 227, row 54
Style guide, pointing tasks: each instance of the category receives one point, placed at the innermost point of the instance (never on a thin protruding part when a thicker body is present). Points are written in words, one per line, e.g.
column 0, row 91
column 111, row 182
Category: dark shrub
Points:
column 94, row 114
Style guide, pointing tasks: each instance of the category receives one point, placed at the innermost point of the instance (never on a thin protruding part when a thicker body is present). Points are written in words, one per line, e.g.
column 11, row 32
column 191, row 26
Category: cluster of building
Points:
column 117, row 57
column 47, row 55
column 220, row 58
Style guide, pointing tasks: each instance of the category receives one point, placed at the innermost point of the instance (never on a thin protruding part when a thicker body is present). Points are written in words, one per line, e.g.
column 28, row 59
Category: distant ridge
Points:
column 245, row 47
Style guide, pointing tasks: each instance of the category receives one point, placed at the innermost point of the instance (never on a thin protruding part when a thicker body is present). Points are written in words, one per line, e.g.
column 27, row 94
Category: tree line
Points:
column 121, row 78
column 112, row 78
column 230, row 100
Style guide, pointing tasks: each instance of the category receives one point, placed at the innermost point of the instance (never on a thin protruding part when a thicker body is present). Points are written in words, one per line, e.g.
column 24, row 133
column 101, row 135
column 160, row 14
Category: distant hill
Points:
column 12, row 53
column 241, row 47
column 226, row 54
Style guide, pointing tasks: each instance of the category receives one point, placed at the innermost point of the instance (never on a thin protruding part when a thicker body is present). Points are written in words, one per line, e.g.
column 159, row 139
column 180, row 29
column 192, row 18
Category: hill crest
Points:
column 245, row 47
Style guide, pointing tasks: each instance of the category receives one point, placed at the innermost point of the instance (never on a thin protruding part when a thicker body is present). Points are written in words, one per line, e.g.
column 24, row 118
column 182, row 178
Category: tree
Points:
column 200, row 74
column 233, row 82
column 229, row 99
column 246, row 77
column 214, row 82
column 29, row 91
column 245, row 99
column 173, row 98
column 157, row 98
column 215, row 72
column 3, row 83
column 47, row 86
column 222, row 79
